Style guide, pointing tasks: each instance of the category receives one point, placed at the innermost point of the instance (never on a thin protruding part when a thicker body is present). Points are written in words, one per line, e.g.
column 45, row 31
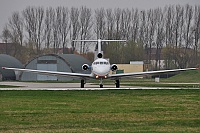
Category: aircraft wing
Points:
column 52, row 73
column 147, row 73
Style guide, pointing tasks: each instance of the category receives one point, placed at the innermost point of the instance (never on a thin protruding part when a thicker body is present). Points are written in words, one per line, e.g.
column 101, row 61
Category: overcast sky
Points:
column 7, row 7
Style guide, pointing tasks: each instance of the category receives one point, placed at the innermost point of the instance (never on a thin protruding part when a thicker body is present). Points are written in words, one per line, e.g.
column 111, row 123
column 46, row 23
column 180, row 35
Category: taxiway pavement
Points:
column 67, row 86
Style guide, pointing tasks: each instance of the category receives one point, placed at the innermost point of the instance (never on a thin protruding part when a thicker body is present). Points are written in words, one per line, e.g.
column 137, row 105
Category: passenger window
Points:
column 101, row 63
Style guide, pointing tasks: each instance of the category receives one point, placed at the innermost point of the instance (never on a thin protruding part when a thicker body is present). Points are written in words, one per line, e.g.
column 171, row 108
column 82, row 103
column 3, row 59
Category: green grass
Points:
column 8, row 86
column 100, row 111
column 191, row 76
column 163, row 85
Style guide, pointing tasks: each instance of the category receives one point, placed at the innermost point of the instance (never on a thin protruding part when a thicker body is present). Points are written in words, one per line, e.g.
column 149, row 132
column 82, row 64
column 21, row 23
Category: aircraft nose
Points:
column 103, row 71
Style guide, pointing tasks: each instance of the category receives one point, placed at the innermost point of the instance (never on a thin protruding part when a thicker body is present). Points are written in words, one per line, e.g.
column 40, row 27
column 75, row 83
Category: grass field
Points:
column 8, row 86
column 100, row 111
column 191, row 76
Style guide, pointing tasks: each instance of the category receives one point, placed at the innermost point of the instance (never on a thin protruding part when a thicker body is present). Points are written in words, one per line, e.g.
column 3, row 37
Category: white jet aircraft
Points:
column 100, row 69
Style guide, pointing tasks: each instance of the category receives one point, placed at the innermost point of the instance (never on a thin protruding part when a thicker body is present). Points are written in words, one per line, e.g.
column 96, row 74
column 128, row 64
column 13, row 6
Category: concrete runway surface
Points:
column 54, row 86
column 67, row 86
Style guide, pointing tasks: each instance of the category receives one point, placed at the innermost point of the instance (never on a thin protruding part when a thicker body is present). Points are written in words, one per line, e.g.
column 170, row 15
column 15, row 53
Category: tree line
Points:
column 173, row 31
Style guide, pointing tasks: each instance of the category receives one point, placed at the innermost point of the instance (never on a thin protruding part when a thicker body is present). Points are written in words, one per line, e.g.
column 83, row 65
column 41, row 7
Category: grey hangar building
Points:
column 52, row 62
column 9, row 61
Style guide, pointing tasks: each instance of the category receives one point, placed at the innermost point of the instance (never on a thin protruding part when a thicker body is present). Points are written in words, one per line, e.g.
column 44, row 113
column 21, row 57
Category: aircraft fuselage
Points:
column 101, row 68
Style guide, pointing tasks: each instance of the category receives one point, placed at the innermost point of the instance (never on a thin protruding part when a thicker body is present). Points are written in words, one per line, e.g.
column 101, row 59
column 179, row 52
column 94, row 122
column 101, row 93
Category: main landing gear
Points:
column 117, row 83
column 82, row 83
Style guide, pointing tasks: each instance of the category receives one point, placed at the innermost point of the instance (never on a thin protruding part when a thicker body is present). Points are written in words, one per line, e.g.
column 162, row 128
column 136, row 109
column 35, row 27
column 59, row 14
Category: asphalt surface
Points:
column 66, row 86
column 55, row 86
column 50, row 86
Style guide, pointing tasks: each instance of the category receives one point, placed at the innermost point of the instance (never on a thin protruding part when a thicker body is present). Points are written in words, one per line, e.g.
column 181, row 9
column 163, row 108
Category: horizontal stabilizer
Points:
column 99, row 42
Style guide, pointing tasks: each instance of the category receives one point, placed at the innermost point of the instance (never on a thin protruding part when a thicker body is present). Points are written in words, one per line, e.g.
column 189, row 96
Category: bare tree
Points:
column 159, row 35
column 99, row 23
column 85, row 27
column 125, row 27
column 196, row 31
column 64, row 27
column 143, row 28
column 169, row 20
column 16, row 26
column 117, row 16
column 187, row 36
column 34, row 18
column 56, row 29
column 135, row 25
column 48, row 24
column 177, row 29
column 177, row 24
column 16, row 33
column 109, row 23
column 74, row 26
column 150, row 32
column 6, row 34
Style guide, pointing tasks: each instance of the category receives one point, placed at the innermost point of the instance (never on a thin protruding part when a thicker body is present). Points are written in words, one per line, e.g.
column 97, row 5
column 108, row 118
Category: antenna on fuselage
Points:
column 99, row 55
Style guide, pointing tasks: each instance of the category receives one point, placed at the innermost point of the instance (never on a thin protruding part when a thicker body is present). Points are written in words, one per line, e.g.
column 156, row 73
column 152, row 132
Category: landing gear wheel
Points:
column 101, row 85
column 82, row 83
column 117, row 83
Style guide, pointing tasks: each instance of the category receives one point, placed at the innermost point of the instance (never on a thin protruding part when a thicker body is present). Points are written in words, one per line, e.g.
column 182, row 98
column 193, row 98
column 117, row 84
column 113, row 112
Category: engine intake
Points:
column 85, row 67
column 114, row 67
column 100, row 55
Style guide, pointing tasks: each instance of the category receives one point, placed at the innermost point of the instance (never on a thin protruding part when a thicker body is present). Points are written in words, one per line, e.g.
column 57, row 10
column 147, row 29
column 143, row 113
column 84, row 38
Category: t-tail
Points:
column 100, row 55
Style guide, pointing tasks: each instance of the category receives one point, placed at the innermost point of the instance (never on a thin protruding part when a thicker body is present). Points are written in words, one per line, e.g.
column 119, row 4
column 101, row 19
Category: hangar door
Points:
column 47, row 67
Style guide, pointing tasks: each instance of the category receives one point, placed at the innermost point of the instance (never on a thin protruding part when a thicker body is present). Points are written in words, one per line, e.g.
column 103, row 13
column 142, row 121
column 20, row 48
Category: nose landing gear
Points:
column 117, row 83
column 101, row 83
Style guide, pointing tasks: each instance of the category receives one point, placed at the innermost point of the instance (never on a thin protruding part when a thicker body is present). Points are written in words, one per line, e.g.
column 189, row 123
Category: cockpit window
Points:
column 101, row 63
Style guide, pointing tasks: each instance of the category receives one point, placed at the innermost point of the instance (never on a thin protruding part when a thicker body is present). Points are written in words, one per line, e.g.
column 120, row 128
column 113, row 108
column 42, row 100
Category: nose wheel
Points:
column 101, row 83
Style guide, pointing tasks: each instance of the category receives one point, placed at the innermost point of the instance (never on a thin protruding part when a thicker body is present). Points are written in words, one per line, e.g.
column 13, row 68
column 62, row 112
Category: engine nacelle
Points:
column 100, row 55
column 114, row 67
column 85, row 67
